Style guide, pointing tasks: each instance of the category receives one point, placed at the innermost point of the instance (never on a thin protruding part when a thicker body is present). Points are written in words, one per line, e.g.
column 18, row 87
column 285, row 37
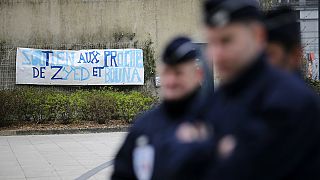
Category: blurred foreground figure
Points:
column 266, row 122
column 142, row 155
column 284, row 39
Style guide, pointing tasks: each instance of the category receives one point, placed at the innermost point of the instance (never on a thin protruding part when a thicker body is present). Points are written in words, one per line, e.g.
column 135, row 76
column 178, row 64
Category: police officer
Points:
column 266, row 122
column 284, row 39
column 142, row 155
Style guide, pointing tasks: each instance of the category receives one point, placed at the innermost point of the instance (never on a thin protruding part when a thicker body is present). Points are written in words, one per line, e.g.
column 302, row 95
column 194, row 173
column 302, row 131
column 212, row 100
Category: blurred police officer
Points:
column 284, row 39
column 266, row 122
column 141, row 156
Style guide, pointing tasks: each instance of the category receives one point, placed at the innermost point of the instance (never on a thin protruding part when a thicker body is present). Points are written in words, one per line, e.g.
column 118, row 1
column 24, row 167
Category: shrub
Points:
column 57, row 106
column 12, row 107
column 129, row 105
column 100, row 107
column 6, row 108
column 39, row 106
column 33, row 105
column 79, row 103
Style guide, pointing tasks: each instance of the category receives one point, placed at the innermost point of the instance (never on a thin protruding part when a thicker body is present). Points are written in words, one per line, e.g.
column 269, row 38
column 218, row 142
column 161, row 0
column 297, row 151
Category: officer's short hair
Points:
column 219, row 13
column 179, row 50
column 283, row 27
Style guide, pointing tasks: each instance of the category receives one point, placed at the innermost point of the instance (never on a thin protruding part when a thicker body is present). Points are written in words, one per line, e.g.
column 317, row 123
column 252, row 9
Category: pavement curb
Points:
column 63, row 131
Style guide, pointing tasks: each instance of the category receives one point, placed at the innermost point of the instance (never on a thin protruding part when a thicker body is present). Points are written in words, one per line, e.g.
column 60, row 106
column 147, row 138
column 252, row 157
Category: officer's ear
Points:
column 295, row 56
column 259, row 32
column 200, row 74
column 199, row 70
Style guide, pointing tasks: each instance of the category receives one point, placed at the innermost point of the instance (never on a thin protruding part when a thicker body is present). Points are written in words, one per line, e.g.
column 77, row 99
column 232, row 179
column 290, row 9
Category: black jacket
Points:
column 159, row 125
column 275, row 122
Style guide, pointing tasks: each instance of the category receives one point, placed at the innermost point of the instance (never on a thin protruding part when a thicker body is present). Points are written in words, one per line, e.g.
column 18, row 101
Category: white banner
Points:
column 83, row 67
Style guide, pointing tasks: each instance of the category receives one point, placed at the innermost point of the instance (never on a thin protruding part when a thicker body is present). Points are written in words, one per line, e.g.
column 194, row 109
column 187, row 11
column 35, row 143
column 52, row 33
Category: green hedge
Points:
column 39, row 106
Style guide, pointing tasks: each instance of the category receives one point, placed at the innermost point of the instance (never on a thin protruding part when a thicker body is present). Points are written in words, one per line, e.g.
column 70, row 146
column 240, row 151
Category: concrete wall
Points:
column 36, row 22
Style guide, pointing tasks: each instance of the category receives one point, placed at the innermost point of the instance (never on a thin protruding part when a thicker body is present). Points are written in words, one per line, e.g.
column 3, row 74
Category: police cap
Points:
column 179, row 50
column 218, row 13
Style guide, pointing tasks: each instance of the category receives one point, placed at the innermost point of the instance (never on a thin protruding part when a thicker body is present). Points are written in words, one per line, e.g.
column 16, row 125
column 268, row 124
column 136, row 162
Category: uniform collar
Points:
column 246, row 77
column 298, row 73
column 176, row 109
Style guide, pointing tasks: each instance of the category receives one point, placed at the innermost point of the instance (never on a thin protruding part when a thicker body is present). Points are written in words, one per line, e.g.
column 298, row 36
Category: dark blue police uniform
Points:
column 275, row 122
column 160, row 127
column 160, row 124
column 153, row 124
column 266, row 122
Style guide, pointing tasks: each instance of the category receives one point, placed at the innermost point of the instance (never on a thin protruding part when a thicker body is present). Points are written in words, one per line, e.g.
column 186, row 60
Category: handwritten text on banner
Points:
column 83, row 67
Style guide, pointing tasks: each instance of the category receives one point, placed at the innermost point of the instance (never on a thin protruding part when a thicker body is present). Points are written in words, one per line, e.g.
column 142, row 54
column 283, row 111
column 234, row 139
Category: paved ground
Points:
column 57, row 156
